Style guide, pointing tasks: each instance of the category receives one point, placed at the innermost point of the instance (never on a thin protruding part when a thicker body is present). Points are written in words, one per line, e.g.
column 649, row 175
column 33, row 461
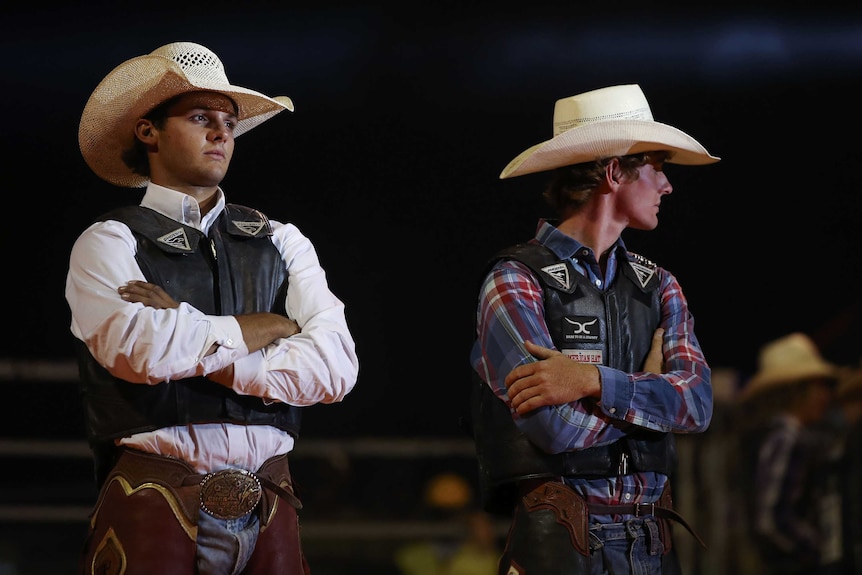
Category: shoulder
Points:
column 644, row 266
column 290, row 240
column 104, row 230
column 641, row 260
column 102, row 241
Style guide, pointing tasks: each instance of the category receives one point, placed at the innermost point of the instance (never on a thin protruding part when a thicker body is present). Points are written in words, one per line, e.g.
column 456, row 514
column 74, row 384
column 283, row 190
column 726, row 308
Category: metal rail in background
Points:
column 38, row 370
column 66, row 371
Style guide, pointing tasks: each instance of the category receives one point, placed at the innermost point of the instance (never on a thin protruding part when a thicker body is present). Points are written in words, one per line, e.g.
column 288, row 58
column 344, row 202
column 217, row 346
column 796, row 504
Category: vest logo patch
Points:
column 251, row 228
column 594, row 356
column 581, row 328
column 560, row 273
column 643, row 272
column 176, row 239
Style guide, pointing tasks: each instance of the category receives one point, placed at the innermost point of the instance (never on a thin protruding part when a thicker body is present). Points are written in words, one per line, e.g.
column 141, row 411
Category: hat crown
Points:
column 198, row 63
column 793, row 351
column 625, row 102
column 791, row 359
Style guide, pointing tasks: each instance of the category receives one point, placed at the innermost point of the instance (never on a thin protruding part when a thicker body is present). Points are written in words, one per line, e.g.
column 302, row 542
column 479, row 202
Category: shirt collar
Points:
column 181, row 207
column 565, row 246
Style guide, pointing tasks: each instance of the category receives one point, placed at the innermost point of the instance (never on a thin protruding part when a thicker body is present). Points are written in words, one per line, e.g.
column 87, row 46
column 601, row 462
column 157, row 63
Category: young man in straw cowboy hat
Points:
column 784, row 456
column 203, row 328
column 573, row 418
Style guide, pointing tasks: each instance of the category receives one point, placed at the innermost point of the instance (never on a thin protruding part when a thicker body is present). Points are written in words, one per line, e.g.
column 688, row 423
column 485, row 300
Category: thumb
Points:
column 538, row 351
column 655, row 359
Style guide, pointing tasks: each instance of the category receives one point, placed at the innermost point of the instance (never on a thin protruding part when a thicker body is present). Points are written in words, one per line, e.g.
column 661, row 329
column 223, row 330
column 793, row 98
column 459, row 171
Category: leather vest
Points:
column 236, row 270
column 613, row 328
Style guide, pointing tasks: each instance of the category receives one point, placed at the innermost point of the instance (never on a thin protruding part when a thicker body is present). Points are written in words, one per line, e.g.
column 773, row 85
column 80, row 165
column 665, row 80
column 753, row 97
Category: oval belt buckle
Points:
column 230, row 493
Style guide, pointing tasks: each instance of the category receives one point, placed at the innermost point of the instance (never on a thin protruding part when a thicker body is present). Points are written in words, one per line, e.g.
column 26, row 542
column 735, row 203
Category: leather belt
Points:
column 232, row 493
column 641, row 510
column 226, row 494
column 526, row 486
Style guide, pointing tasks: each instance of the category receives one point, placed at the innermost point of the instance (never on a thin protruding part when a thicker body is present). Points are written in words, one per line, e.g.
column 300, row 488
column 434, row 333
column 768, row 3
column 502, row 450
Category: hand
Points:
column 654, row 361
column 553, row 380
column 224, row 376
column 151, row 295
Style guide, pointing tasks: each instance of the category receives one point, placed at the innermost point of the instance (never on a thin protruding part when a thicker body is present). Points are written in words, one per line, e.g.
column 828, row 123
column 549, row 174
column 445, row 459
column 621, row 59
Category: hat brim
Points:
column 768, row 380
column 604, row 139
column 134, row 88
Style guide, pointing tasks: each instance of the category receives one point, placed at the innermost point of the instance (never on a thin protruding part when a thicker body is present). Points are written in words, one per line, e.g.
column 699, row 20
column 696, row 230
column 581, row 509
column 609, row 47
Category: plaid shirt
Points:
column 511, row 310
column 790, row 457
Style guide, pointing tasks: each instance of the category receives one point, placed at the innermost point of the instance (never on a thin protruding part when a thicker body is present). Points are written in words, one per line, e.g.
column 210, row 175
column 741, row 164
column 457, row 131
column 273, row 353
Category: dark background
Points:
column 406, row 114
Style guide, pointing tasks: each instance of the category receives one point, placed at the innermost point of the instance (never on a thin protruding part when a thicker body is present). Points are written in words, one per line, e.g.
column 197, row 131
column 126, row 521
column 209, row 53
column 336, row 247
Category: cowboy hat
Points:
column 790, row 359
column 613, row 121
column 135, row 87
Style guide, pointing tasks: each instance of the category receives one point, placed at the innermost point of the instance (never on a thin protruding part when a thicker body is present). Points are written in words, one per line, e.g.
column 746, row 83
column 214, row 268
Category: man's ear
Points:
column 613, row 172
column 145, row 131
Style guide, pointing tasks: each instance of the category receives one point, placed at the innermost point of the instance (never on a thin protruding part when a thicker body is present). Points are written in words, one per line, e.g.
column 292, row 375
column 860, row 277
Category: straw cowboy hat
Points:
column 138, row 85
column 613, row 121
column 790, row 359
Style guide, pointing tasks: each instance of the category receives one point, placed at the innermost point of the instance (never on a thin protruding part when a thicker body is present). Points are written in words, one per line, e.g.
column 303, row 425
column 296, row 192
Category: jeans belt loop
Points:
column 642, row 509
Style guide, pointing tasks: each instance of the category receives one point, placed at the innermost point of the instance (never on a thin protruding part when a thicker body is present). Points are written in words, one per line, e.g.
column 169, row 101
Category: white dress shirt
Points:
column 149, row 346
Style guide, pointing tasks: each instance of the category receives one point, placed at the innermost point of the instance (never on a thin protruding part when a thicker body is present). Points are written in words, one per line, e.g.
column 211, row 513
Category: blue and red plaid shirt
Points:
column 511, row 310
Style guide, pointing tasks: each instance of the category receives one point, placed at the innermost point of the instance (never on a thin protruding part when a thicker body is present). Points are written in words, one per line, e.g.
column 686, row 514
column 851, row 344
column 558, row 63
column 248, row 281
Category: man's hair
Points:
column 136, row 157
column 572, row 186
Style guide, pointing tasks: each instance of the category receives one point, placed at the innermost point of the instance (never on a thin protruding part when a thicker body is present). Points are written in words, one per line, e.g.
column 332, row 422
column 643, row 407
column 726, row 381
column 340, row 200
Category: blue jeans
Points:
column 224, row 546
column 633, row 547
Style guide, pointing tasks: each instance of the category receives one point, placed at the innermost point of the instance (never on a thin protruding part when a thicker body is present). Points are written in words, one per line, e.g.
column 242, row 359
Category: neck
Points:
column 590, row 228
column 206, row 200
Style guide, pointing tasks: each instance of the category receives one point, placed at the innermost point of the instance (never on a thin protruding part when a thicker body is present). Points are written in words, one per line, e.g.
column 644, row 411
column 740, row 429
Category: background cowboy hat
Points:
column 787, row 360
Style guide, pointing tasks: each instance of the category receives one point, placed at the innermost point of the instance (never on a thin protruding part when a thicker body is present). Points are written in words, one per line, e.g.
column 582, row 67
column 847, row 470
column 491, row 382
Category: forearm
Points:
column 318, row 365
column 262, row 329
column 679, row 399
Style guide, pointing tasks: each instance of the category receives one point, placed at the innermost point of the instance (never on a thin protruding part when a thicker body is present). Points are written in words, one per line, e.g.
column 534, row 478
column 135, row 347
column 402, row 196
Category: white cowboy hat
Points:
column 790, row 359
column 138, row 85
column 613, row 121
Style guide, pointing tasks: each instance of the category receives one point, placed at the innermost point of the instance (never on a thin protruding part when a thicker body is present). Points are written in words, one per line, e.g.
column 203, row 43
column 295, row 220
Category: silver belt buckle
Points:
column 230, row 493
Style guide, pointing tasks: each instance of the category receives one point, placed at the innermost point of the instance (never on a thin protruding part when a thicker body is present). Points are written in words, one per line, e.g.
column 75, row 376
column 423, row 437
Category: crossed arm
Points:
column 258, row 329
column 556, row 379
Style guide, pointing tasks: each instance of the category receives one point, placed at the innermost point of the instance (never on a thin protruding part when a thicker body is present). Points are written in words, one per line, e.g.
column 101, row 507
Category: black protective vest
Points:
column 236, row 270
column 618, row 324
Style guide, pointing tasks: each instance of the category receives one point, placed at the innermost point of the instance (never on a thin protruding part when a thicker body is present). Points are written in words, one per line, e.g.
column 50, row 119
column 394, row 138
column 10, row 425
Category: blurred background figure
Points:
column 471, row 549
column 849, row 397
column 785, row 456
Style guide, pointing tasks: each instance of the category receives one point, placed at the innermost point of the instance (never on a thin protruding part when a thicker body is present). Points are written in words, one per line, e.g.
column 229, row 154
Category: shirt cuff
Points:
column 227, row 335
column 617, row 391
